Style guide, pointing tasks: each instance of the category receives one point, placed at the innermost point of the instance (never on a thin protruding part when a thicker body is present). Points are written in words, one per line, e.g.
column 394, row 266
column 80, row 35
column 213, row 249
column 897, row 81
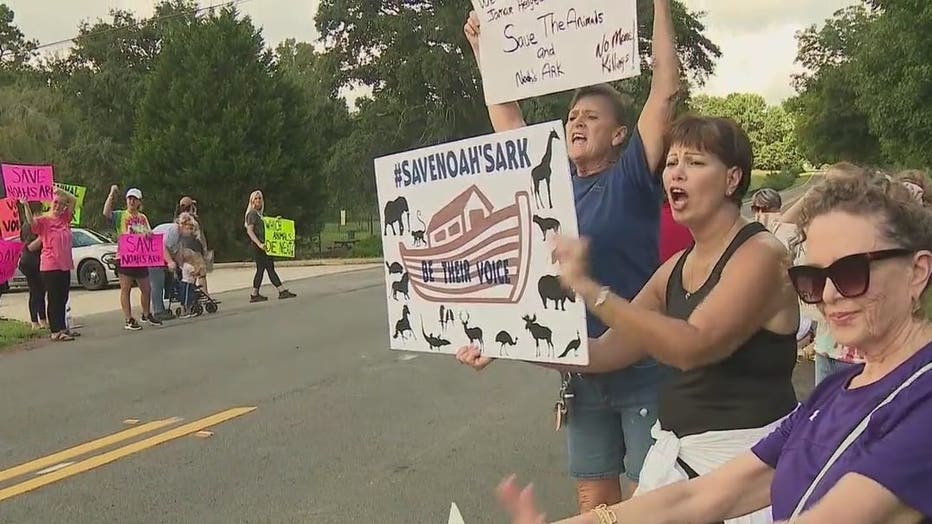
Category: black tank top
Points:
column 751, row 388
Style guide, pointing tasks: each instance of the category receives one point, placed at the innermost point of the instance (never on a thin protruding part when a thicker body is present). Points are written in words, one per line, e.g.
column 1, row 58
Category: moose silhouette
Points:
column 539, row 332
column 572, row 346
column 394, row 211
column 550, row 289
column 474, row 333
column 546, row 224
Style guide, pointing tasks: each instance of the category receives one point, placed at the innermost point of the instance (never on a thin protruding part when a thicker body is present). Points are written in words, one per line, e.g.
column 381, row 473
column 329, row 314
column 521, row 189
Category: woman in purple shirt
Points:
column 858, row 450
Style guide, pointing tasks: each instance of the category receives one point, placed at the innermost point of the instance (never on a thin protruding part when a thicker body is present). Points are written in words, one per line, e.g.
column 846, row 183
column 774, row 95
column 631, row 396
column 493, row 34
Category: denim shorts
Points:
column 609, row 423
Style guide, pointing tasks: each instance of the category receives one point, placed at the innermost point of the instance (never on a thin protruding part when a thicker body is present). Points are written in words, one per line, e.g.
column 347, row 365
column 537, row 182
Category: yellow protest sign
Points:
column 279, row 237
column 78, row 192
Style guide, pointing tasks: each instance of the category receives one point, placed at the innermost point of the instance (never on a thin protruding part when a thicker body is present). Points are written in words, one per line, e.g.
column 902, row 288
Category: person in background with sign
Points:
column 131, row 221
column 618, row 195
column 53, row 230
column 198, row 242
column 29, row 267
column 255, row 230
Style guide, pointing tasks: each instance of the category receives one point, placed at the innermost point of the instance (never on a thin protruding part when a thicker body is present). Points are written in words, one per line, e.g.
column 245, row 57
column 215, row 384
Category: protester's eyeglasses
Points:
column 851, row 275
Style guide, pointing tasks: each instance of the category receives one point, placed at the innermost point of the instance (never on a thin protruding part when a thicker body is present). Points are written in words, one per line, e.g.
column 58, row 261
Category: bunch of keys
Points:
column 561, row 407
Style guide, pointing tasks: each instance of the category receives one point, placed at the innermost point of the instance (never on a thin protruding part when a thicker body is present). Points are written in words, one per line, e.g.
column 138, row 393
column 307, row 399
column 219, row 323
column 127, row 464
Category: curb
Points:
column 304, row 263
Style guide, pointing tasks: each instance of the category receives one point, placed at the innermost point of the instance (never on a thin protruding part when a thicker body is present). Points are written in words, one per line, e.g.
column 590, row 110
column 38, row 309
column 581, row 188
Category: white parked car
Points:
column 94, row 261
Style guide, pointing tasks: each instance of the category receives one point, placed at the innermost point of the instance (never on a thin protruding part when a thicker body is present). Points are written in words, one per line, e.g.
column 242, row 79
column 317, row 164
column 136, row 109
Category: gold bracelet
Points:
column 605, row 515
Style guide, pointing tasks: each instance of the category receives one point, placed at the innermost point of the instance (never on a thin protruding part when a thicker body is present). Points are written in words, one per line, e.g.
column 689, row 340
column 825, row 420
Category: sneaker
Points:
column 286, row 294
column 257, row 298
column 151, row 320
column 132, row 325
column 165, row 315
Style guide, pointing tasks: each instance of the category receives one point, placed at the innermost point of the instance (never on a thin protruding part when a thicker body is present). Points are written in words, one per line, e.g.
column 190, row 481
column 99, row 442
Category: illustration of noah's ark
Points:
column 470, row 234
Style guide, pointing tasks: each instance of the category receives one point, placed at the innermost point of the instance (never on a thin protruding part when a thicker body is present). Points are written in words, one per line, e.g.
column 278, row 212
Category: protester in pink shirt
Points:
column 55, row 262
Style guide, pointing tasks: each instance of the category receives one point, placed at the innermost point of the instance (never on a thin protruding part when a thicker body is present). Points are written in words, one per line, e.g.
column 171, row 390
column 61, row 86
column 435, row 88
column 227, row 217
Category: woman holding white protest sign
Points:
column 53, row 230
column 618, row 196
column 255, row 230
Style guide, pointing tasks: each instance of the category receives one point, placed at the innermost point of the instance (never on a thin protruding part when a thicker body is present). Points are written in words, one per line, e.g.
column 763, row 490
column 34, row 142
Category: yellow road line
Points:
column 116, row 454
column 55, row 458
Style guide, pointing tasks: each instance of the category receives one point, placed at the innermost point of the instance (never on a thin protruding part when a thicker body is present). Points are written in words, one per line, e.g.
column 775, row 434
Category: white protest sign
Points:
column 530, row 48
column 466, row 229
column 455, row 517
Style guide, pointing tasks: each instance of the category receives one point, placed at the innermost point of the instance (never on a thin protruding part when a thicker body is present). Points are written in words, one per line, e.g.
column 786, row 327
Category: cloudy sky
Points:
column 756, row 36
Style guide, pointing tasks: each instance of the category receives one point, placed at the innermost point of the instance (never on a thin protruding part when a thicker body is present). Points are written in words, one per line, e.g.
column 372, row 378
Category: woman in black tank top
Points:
column 723, row 312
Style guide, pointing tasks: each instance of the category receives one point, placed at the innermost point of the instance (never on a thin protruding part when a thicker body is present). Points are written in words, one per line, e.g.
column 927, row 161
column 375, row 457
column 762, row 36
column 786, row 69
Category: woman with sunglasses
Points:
column 723, row 312
column 868, row 244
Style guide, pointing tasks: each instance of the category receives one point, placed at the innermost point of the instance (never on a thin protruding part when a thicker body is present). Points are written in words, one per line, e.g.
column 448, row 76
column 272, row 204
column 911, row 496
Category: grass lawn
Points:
column 14, row 332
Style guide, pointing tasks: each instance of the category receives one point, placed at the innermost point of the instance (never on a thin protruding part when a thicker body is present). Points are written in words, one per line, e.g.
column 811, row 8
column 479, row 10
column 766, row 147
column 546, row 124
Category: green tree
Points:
column 219, row 119
column 892, row 75
column 830, row 124
column 769, row 128
column 15, row 49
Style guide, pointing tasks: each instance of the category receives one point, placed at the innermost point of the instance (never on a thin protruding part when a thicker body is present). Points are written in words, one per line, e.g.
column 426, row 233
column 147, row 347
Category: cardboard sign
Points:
column 9, row 219
column 9, row 258
column 279, row 237
column 34, row 183
column 137, row 250
column 530, row 48
column 466, row 229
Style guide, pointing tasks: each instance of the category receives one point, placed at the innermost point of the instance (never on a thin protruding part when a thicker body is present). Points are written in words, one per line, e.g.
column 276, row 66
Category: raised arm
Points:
column 108, row 204
column 504, row 117
column 659, row 110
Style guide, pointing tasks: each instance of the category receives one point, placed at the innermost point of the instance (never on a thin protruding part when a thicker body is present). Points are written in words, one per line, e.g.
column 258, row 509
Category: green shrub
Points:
column 783, row 179
column 369, row 247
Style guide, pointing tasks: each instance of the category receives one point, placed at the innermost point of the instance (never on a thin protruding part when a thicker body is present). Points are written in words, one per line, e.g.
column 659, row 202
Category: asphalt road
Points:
column 344, row 430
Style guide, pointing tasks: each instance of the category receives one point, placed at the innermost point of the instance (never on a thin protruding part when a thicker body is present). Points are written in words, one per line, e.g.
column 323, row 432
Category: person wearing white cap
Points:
column 131, row 221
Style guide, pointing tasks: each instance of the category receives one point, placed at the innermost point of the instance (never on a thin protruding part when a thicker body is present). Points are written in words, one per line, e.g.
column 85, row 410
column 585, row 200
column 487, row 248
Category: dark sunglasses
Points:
column 851, row 275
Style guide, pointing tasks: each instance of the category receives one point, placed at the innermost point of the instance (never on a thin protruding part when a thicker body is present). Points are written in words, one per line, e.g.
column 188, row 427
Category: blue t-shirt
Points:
column 893, row 451
column 619, row 211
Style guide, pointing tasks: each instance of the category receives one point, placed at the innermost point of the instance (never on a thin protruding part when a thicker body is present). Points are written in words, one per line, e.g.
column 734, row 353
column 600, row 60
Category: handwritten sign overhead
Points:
column 465, row 234
column 531, row 48
column 9, row 218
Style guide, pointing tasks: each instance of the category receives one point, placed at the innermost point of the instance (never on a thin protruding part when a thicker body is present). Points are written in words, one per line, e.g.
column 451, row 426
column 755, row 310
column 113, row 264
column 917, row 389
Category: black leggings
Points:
column 264, row 263
column 58, row 285
column 36, row 291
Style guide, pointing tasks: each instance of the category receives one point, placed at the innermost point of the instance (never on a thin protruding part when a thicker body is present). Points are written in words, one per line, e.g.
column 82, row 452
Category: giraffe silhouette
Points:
column 543, row 171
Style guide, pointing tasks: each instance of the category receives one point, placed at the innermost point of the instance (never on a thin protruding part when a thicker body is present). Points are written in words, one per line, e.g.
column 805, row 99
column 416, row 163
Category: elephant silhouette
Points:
column 394, row 211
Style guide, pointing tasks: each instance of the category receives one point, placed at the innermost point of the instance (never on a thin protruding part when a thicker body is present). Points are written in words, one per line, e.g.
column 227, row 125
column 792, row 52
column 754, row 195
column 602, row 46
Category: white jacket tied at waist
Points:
column 703, row 452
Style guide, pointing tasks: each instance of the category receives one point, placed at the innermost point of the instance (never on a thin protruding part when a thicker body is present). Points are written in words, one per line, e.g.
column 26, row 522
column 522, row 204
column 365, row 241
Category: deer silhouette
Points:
column 472, row 333
column 572, row 346
column 539, row 332
column 504, row 338
column 446, row 317
column 546, row 224
column 432, row 341
column 401, row 287
column 403, row 325
column 542, row 171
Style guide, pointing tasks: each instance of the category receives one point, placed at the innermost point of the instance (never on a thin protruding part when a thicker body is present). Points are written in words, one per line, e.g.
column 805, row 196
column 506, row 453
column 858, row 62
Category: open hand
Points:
column 471, row 30
column 519, row 503
column 571, row 253
column 472, row 357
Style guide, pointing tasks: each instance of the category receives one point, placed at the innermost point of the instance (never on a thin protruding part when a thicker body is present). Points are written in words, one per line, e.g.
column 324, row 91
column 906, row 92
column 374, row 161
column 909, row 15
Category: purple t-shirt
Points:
column 894, row 450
